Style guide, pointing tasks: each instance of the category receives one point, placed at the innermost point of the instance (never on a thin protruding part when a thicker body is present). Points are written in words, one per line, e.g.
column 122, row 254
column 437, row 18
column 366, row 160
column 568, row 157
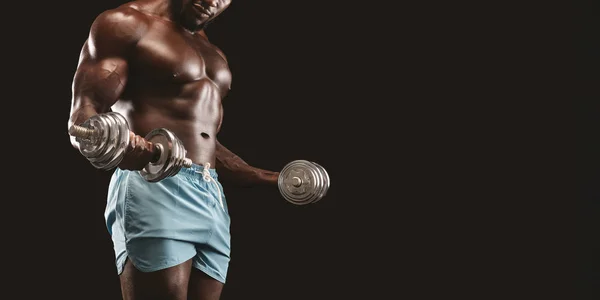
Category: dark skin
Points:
column 151, row 61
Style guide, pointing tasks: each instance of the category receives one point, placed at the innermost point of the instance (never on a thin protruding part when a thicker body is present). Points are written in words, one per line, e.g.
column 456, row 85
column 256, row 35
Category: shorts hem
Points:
column 212, row 273
column 155, row 268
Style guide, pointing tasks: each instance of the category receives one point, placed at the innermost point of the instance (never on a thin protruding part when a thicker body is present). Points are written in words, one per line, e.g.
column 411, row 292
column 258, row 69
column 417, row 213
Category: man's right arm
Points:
column 102, row 70
column 102, row 73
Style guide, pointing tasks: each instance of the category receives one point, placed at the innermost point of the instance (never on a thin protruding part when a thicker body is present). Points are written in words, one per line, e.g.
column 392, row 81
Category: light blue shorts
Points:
column 161, row 224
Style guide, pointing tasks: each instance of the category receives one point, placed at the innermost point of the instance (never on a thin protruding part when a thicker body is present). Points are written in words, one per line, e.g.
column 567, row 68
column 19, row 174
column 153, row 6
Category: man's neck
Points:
column 170, row 10
column 166, row 9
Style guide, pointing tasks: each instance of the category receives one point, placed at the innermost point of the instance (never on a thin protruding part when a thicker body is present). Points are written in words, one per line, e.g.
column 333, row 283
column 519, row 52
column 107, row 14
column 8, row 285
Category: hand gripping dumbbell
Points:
column 303, row 182
column 104, row 138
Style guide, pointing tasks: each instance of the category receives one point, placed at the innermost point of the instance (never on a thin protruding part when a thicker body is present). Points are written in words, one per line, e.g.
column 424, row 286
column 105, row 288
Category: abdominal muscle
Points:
column 193, row 116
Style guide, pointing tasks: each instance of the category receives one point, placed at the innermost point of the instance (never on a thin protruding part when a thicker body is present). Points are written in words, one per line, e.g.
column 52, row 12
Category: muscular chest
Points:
column 167, row 56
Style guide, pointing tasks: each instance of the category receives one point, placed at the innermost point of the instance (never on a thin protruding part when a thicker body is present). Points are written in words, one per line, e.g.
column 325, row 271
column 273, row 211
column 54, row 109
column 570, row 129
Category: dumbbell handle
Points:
column 86, row 133
column 81, row 132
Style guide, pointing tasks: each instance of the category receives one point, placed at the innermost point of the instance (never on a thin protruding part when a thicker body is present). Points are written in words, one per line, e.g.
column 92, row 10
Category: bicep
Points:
column 99, row 83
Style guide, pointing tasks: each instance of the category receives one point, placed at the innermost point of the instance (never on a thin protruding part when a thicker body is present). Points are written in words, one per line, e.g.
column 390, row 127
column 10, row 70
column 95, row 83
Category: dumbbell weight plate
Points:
column 302, row 182
column 123, row 140
column 325, row 182
column 119, row 133
column 108, row 145
column 178, row 155
column 173, row 159
column 93, row 146
column 157, row 171
column 172, row 144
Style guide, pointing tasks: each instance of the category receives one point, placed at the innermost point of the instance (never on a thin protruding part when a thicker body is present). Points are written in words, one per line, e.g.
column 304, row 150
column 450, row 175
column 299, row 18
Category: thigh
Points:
column 166, row 284
column 203, row 287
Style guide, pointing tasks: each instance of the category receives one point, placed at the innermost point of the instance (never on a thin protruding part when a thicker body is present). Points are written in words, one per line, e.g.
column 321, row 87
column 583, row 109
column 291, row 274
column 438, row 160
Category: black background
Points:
column 431, row 119
column 587, row 94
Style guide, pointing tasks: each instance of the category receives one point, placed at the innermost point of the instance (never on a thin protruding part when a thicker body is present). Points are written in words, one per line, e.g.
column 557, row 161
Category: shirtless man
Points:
column 151, row 61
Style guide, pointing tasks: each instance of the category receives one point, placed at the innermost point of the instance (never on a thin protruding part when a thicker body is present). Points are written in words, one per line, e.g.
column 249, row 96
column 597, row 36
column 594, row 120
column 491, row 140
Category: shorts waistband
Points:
column 196, row 171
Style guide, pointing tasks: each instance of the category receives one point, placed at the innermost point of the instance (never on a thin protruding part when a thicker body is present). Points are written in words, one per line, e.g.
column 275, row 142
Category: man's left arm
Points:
column 233, row 168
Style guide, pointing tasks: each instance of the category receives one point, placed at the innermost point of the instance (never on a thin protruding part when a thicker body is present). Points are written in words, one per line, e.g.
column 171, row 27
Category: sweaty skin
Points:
column 151, row 61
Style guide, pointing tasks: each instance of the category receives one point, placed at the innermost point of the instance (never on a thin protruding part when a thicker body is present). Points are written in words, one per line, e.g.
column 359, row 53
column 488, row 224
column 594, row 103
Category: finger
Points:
column 131, row 144
column 139, row 144
column 136, row 143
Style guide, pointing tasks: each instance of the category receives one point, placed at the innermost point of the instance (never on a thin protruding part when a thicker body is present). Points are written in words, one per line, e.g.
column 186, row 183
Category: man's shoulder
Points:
column 125, row 15
column 124, row 23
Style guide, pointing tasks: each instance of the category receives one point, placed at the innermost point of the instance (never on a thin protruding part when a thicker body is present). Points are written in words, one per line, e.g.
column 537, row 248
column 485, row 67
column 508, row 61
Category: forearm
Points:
column 234, row 169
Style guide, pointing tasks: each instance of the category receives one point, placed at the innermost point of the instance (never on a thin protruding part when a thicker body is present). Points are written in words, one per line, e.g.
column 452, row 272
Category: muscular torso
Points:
column 176, row 80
